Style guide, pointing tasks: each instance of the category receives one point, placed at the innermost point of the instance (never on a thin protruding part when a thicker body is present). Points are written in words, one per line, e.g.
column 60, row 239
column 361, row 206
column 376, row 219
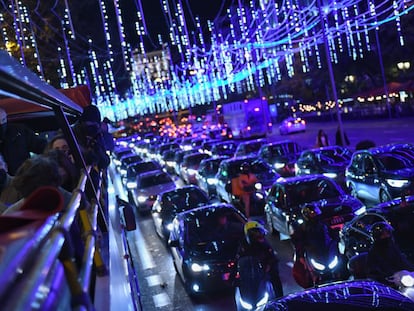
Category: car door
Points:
column 276, row 207
column 370, row 187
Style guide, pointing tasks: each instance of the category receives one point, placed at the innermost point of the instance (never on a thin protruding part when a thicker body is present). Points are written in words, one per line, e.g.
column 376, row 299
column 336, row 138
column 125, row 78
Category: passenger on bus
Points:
column 88, row 132
column 17, row 141
column 37, row 171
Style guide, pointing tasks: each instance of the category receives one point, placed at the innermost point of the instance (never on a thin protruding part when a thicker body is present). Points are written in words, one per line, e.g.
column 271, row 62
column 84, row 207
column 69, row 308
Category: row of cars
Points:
column 186, row 217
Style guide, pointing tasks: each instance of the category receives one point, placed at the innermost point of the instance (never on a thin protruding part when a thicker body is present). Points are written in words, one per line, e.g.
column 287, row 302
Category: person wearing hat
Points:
column 17, row 141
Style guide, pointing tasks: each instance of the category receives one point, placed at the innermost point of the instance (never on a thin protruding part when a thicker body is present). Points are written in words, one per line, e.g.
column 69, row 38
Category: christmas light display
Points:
column 250, row 46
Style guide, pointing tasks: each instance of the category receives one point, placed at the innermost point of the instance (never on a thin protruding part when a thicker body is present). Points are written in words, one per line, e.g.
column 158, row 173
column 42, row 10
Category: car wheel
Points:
column 383, row 196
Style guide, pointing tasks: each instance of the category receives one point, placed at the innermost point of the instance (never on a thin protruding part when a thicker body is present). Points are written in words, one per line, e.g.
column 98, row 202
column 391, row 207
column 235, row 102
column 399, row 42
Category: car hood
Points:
column 400, row 174
column 344, row 206
column 155, row 190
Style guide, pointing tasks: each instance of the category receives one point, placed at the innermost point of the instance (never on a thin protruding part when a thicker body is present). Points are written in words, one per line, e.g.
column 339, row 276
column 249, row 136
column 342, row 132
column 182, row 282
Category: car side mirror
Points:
column 173, row 243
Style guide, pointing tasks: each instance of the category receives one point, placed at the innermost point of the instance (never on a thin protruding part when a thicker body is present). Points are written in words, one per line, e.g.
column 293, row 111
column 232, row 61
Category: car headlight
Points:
column 131, row 184
column 195, row 267
column 398, row 183
column 263, row 301
column 317, row 265
column 258, row 186
column 212, row 181
column 142, row 198
column 360, row 210
column 333, row 263
column 330, row 175
column 169, row 226
column 278, row 165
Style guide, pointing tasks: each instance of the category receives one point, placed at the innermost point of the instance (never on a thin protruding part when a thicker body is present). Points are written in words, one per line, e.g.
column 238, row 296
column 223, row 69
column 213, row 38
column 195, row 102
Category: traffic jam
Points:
column 333, row 205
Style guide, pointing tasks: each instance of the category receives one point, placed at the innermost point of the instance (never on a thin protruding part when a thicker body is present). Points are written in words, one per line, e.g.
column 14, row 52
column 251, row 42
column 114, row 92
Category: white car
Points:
column 292, row 125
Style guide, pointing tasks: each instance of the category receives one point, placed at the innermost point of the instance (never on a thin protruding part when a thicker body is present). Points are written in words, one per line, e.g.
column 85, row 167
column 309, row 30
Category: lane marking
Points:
column 154, row 280
column 161, row 300
column 147, row 261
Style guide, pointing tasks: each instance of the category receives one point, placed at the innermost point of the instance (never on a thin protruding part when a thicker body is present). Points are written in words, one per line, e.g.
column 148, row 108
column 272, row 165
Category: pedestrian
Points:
column 338, row 138
column 321, row 139
column 17, row 141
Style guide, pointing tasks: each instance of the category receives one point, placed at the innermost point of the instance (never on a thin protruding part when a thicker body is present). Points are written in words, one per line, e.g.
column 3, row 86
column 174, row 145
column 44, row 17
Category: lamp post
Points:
column 330, row 70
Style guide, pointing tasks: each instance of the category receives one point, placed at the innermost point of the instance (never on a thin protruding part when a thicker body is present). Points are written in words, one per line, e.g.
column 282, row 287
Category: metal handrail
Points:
column 50, row 247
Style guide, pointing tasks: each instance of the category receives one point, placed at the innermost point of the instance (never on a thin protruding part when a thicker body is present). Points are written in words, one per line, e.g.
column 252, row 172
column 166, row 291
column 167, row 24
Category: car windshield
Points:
column 396, row 161
column 283, row 149
column 314, row 190
column 192, row 160
column 330, row 156
column 258, row 167
column 203, row 229
column 182, row 200
column 144, row 167
column 154, row 180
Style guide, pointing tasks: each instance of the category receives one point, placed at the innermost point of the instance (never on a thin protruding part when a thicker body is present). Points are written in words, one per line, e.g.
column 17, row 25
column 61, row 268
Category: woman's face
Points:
column 61, row 144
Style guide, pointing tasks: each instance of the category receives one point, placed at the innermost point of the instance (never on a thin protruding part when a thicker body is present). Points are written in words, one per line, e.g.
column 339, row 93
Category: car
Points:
column 119, row 152
column 230, row 169
column 170, row 203
column 292, row 125
column 356, row 295
column 289, row 195
column 203, row 256
column 330, row 161
column 355, row 237
column 249, row 147
column 126, row 160
column 223, row 148
column 383, row 173
column 282, row 155
column 206, row 174
column 178, row 159
column 148, row 186
column 134, row 169
column 189, row 166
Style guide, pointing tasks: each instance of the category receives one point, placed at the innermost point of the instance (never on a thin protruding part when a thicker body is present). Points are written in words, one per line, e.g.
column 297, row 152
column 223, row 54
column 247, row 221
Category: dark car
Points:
column 356, row 237
column 250, row 147
column 204, row 254
column 282, row 156
column 330, row 161
column 126, row 160
column 224, row 148
column 288, row 196
column 206, row 174
column 358, row 295
column 382, row 173
column 230, row 168
column 170, row 203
